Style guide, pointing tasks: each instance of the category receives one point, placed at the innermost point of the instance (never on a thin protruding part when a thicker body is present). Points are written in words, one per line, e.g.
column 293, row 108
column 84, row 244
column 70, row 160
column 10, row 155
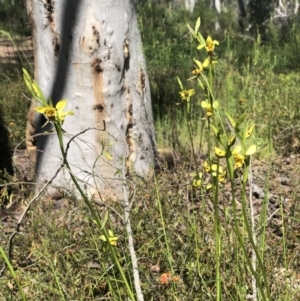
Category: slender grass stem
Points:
column 12, row 271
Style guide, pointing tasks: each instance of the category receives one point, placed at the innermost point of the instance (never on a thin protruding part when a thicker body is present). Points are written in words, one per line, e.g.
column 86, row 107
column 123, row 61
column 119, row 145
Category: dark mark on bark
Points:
column 49, row 6
column 56, row 47
column 97, row 65
column 130, row 109
column 99, row 107
column 143, row 76
column 96, row 34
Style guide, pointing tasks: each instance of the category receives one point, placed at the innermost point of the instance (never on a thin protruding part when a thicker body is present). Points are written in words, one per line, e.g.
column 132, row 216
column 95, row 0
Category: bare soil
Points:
column 12, row 52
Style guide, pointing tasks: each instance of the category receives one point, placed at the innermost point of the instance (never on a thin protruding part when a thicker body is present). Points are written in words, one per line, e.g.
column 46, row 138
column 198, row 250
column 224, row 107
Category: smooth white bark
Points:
column 218, row 6
column 189, row 5
column 90, row 53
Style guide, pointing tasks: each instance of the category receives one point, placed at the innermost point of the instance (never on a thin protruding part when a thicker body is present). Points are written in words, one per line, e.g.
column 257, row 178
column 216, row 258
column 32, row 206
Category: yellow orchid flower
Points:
column 209, row 45
column 219, row 152
column 206, row 167
column 251, row 150
column 186, row 94
column 207, row 106
column 239, row 159
column 197, row 180
column 200, row 66
column 214, row 168
column 55, row 114
column 112, row 239
column 48, row 111
column 221, row 173
column 222, row 177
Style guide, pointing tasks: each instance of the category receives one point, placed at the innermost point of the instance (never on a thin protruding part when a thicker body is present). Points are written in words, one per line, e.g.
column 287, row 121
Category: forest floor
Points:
column 283, row 180
column 276, row 182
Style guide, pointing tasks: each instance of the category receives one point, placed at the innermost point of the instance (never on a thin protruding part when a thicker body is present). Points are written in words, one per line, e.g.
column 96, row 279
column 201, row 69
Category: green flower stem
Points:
column 215, row 187
column 218, row 233
column 210, row 94
column 211, row 98
column 188, row 111
column 95, row 216
column 192, row 144
column 238, row 233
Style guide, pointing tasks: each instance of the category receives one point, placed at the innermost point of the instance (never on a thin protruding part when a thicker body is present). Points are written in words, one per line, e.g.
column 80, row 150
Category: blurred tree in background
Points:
column 259, row 12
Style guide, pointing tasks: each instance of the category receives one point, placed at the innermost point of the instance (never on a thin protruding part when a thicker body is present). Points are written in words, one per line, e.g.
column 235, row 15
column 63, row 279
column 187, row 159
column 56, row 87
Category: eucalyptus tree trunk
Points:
column 90, row 53
column 242, row 10
column 218, row 9
column 242, row 14
column 189, row 5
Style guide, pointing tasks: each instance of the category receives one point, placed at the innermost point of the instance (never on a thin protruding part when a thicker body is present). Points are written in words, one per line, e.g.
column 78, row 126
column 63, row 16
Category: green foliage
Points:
column 13, row 103
column 14, row 18
column 13, row 273
column 60, row 254
column 248, row 74
column 59, row 238
column 167, row 47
